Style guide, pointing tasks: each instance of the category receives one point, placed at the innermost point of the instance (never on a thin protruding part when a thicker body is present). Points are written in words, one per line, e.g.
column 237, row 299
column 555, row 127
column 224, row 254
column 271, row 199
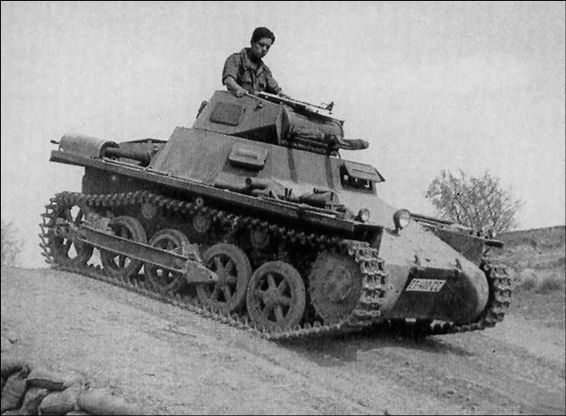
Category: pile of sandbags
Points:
column 37, row 391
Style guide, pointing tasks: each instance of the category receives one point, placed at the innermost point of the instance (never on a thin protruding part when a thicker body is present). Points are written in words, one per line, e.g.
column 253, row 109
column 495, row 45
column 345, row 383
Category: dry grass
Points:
column 537, row 259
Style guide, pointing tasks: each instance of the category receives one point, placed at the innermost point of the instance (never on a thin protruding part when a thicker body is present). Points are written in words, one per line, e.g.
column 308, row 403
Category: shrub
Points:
column 550, row 283
column 526, row 280
column 529, row 280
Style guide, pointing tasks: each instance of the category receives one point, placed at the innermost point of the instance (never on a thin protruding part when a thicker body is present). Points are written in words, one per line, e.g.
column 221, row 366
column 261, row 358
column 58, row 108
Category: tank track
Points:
column 366, row 313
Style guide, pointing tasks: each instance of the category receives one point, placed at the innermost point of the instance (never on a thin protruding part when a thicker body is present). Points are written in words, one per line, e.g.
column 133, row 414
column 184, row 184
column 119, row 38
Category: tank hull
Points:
column 280, row 222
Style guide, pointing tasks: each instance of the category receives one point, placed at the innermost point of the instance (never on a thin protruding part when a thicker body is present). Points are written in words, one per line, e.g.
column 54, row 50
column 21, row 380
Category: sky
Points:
column 471, row 86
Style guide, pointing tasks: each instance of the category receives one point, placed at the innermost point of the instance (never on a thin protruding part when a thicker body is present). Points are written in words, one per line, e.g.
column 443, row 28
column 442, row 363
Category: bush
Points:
column 528, row 280
column 11, row 246
column 550, row 283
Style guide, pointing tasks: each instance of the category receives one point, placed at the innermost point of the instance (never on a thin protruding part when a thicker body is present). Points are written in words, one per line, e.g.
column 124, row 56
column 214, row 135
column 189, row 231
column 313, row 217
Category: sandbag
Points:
column 32, row 399
column 60, row 402
column 14, row 390
column 101, row 402
column 10, row 366
column 40, row 377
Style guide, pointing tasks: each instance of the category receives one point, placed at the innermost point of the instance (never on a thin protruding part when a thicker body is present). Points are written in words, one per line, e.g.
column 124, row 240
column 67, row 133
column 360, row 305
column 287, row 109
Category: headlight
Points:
column 363, row 215
column 401, row 219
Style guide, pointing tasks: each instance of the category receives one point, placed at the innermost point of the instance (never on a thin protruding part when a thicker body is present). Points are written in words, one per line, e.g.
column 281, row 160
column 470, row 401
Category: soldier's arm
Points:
column 230, row 75
column 233, row 86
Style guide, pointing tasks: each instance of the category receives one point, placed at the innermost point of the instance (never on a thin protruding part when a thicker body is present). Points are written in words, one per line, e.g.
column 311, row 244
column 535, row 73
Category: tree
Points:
column 480, row 203
column 11, row 246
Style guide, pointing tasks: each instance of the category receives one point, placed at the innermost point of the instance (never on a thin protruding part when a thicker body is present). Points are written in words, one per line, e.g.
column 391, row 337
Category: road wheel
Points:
column 120, row 265
column 233, row 269
column 276, row 296
column 164, row 280
column 335, row 286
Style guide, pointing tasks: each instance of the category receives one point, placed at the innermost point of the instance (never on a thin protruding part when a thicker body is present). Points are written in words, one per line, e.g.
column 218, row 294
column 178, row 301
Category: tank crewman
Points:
column 245, row 72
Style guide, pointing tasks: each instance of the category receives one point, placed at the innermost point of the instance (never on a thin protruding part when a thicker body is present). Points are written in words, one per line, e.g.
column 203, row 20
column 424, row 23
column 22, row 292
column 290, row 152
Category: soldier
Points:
column 245, row 72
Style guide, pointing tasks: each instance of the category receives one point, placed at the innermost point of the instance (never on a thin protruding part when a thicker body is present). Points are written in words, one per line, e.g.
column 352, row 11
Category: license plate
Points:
column 425, row 285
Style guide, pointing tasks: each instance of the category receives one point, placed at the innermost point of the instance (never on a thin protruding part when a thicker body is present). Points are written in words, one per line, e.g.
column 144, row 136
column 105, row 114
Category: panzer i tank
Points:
column 252, row 217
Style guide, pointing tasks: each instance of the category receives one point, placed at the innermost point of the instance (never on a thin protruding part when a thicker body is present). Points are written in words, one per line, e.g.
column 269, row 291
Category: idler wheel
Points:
column 119, row 265
column 233, row 269
column 66, row 251
column 276, row 296
column 165, row 280
column 335, row 286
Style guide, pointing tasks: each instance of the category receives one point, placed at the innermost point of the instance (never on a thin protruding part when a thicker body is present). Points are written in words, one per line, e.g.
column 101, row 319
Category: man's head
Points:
column 262, row 39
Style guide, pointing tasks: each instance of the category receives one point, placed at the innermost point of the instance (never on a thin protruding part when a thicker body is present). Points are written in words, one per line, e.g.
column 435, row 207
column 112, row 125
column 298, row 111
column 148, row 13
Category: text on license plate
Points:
column 425, row 285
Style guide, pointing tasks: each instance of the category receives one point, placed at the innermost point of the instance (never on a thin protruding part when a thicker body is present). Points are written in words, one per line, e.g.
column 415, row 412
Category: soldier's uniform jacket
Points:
column 249, row 75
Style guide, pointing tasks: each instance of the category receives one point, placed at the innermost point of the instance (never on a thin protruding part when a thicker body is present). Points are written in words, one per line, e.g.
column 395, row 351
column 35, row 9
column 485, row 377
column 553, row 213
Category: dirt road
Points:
column 171, row 361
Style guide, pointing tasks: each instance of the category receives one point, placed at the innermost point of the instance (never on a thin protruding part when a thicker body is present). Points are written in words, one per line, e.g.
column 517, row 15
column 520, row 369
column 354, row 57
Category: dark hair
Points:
column 262, row 32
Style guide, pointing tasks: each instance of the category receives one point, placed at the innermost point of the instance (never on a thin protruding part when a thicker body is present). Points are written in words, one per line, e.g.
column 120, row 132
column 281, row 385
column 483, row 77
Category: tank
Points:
column 252, row 217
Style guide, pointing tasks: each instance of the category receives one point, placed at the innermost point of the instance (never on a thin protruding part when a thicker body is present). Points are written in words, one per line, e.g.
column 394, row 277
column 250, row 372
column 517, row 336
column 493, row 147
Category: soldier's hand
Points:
column 280, row 94
column 240, row 92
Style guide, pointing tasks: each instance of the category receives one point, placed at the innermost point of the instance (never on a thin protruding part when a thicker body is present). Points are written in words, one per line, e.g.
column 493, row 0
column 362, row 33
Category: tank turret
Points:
column 273, row 119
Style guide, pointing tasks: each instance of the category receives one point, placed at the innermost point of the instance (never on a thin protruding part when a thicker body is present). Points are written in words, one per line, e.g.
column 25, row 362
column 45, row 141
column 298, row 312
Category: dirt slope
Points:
column 171, row 361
